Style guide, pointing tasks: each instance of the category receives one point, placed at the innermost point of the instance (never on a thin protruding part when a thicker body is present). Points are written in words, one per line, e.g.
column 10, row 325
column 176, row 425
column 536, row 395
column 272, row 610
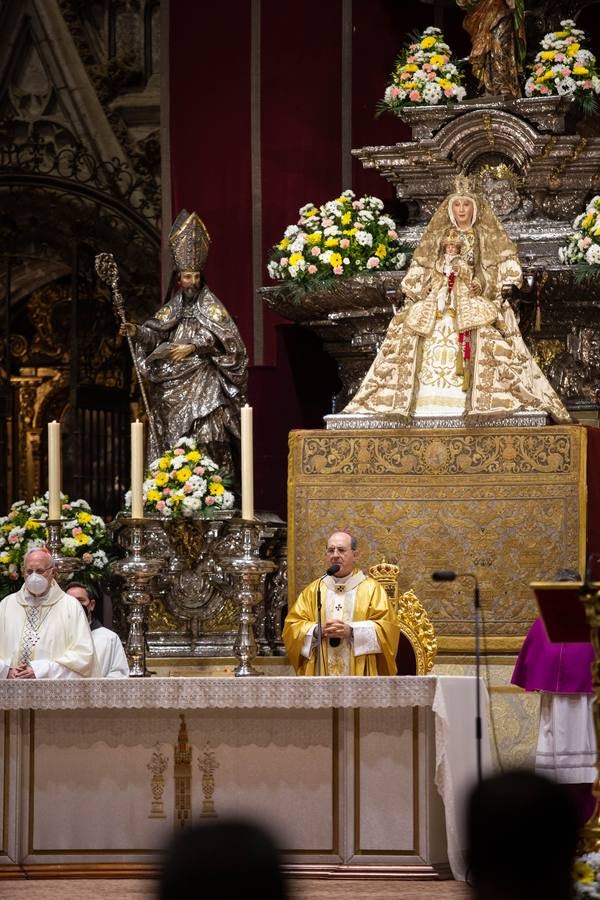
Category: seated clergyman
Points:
column 359, row 629
column 43, row 631
column 110, row 656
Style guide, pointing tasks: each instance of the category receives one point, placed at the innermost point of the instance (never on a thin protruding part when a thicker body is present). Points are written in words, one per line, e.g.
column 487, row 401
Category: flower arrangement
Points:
column 339, row 239
column 184, row 481
column 84, row 536
column 583, row 247
column 586, row 876
column 424, row 75
column 563, row 67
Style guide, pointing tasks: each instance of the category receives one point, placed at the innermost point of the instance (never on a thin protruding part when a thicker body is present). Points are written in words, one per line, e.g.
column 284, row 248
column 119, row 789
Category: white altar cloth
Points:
column 452, row 699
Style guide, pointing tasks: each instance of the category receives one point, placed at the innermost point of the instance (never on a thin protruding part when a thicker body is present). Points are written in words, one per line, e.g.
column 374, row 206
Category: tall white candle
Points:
column 247, row 464
column 137, row 469
column 54, row 470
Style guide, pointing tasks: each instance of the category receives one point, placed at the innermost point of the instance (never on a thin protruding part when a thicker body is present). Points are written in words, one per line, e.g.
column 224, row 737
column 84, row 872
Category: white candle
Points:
column 54, row 469
column 137, row 469
column 247, row 464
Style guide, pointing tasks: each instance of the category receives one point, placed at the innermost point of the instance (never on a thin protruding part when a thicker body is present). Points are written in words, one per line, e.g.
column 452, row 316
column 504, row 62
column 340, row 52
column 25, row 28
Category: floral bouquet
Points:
column 424, row 75
column 84, row 536
column 586, row 876
column 583, row 248
column 339, row 239
column 185, row 482
column 563, row 67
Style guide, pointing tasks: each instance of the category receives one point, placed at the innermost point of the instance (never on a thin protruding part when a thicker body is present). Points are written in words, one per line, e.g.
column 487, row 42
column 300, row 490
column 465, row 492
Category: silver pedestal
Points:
column 65, row 565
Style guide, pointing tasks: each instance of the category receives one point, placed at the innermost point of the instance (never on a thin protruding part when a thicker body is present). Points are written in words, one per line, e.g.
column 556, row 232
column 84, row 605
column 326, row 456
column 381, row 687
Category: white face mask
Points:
column 36, row 584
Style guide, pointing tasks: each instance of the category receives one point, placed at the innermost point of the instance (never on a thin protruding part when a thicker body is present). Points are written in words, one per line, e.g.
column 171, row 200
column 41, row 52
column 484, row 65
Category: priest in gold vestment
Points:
column 455, row 348
column 360, row 633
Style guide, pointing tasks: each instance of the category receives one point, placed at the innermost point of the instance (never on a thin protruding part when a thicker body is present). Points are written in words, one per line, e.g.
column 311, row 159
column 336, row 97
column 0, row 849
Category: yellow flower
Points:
column 331, row 242
column 350, row 231
column 313, row 238
column 8, row 527
column 194, row 456
column 310, row 213
column 409, row 68
column 343, row 200
column 582, row 872
column 444, row 83
column 216, row 488
column 546, row 76
column 580, row 70
column 5, row 559
column 183, row 474
column 284, row 244
column 294, row 258
column 84, row 518
column 346, row 218
column 381, row 252
column 336, row 260
column 163, row 463
column 410, row 85
column 161, row 479
column 437, row 59
column 547, row 54
column 82, row 538
column 33, row 523
column 427, row 42
column 154, row 496
column 572, row 49
column 587, row 221
column 560, row 34
column 176, row 498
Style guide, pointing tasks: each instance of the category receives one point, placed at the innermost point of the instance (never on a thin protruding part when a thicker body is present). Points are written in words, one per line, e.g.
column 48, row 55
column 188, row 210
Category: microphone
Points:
column 443, row 575
column 332, row 570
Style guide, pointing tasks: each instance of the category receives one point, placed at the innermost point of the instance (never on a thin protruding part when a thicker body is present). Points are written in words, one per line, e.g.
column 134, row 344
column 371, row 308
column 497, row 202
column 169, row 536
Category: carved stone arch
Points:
column 482, row 132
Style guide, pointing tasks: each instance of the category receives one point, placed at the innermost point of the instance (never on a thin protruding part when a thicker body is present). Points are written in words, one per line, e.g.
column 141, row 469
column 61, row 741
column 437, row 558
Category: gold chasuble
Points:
column 354, row 600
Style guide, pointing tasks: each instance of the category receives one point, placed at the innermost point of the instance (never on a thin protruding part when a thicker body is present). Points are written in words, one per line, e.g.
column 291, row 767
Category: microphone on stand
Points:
column 330, row 571
column 449, row 575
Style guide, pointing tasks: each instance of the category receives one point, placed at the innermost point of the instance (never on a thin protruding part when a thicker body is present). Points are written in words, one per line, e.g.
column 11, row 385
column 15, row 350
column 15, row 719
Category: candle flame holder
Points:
column 243, row 562
column 138, row 569
column 65, row 565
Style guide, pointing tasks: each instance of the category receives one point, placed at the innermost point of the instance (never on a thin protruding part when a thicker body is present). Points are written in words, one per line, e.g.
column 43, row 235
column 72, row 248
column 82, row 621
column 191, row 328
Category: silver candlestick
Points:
column 64, row 565
column 138, row 569
column 248, row 571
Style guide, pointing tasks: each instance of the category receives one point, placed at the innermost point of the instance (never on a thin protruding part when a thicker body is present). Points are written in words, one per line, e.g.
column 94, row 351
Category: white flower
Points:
column 364, row 238
column 291, row 231
column 69, row 543
column 432, row 92
column 227, row 499
column 566, row 86
column 592, row 255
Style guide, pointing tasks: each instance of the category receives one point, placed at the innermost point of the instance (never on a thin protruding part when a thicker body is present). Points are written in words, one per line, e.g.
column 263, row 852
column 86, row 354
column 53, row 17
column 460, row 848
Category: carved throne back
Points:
column 418, row 645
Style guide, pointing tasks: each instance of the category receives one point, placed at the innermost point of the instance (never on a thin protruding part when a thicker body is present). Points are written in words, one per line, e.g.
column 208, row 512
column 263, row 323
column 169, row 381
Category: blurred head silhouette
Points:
column 232, row 858
column 522, row 838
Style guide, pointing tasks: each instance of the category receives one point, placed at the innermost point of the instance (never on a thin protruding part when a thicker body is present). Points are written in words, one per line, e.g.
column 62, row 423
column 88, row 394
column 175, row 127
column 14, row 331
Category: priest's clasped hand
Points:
column 337, row 629
column 21, row 671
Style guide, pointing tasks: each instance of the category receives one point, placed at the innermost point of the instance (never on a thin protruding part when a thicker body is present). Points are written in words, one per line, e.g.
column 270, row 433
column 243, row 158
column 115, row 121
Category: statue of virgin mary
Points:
column 455, row 348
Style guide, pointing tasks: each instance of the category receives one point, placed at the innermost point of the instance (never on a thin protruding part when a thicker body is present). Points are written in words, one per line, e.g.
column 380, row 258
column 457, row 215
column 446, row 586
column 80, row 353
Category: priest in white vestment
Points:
column 43, row 631
column 112, row 662
column 360, row 633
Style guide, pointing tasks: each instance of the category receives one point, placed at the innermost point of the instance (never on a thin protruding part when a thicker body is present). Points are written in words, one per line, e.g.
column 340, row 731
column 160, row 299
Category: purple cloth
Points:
column 559, row 668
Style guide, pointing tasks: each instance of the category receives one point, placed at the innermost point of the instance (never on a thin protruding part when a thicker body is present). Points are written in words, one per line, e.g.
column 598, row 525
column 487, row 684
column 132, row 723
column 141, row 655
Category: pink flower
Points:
column 393, row 235
column 167, row 491
column 209, row 500
column 12, row 539
column 338, row 270
column 344, row 243
column 216, row 478
column 283, row 262
column 199, row 470
column 311, row 269
column 405, row 76
column 448, row 91
column 587, row 85
column 87, row 557
column 586, row 242
column 393, row 93
column 160, row 505
column 565, row 71
column 179, row 451
column 372, row 262
column 327, row 223
column 431, row 76
column 187, row 488
column 415, row 96
column 544, row 89
column 315, row 251
column 154, row 474
column 427, row 67
column 559, row 57
column 13, row 575
column 76, row 530
column 410, row 59
column 357, row 204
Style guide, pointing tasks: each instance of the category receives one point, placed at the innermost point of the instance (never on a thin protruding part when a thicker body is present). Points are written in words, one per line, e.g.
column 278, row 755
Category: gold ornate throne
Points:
column 418, row 645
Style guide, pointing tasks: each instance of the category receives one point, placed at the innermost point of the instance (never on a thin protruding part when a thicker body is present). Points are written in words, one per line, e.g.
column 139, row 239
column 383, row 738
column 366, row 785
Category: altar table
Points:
column 352, row 775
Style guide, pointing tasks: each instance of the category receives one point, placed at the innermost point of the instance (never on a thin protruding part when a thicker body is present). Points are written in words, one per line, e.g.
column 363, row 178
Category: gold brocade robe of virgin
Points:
column 504, row 377
column 370, row 604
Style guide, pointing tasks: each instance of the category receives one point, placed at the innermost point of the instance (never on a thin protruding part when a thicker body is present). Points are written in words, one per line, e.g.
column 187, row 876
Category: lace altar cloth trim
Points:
column 275, row 692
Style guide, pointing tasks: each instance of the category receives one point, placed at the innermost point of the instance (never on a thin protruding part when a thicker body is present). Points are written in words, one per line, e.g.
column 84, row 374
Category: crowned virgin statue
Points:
column 454, row 352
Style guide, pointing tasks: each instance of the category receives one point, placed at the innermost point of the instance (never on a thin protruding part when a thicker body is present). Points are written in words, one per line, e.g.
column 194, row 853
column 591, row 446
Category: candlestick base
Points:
column 138, row 569
column 248, row 573
column 65, row 565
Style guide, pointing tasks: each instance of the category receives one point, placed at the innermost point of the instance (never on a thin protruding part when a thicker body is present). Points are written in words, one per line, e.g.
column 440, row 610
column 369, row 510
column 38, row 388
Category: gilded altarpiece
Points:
column 505, row 504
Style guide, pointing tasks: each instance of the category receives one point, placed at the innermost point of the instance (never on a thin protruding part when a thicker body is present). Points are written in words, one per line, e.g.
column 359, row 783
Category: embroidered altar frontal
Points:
column 505, row 504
